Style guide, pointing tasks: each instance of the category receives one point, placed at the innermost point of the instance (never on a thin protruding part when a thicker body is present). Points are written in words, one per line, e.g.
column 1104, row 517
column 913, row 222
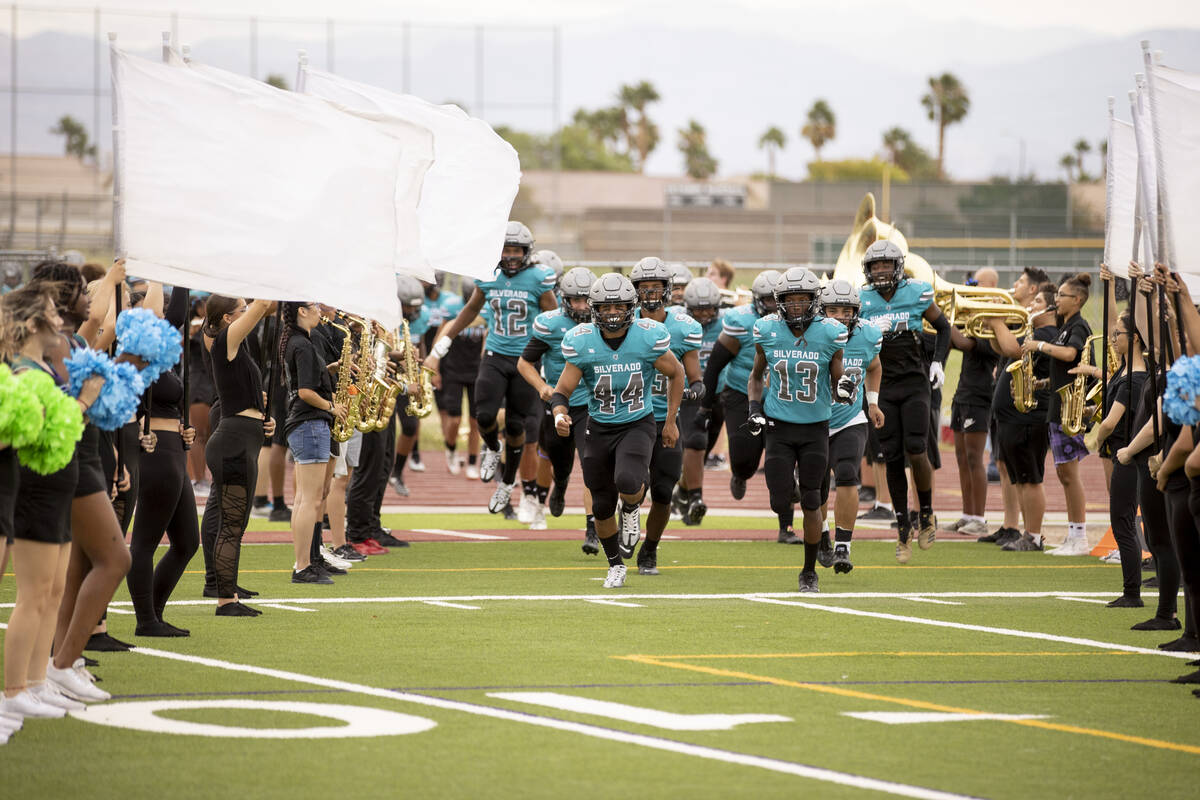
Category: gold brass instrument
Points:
column 345, row 393
column 966, row 307
column 735, row 297
column 420, row 404
column 1021, row 386
column 362, row 384
column 379, row 386
column 1074, row 395
column 1095, row 395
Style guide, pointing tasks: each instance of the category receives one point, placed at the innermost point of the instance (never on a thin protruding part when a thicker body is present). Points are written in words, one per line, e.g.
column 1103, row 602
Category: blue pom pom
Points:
column 120, row 395
column 143, row 334
column 1183, row 386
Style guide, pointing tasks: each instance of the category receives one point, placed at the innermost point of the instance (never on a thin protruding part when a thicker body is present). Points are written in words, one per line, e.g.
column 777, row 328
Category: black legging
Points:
column 1186, row 539
column 165, row 503
column 1122, row 511
column 364, row 495
column 1158, row 539
column 232, row 457
column 123, row 505
column 745, row 449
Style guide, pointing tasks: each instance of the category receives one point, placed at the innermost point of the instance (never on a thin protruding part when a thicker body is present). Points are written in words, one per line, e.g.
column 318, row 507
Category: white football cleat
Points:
column 500, row 497
column 488, row 462
column 631, row 531
column 539, row 519
column 526, row 508
column 616, row 577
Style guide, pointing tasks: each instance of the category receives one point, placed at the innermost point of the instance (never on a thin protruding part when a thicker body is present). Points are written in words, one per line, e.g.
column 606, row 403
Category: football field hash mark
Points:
column 666, row 720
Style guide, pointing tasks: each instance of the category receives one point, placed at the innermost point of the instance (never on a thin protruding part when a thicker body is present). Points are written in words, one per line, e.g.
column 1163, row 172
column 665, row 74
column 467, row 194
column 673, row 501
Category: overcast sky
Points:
column 836, row 18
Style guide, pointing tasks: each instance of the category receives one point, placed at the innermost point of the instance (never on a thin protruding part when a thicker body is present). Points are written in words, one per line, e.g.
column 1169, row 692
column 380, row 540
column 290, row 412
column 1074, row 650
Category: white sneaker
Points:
column 1112, row 558
column 973, row 527
column 201, row 488
column 488, row 462
column 50, row 695
column 526, row 509
column 10, row 722
column 334, row 560
column 1074, row 546
column 454, row 464
column 472, row 472
column 27, row 704
column 539, row 519
column 76, row 682
column 631, row 530
column 416, row 465
column 500, row 497
column 616, row 577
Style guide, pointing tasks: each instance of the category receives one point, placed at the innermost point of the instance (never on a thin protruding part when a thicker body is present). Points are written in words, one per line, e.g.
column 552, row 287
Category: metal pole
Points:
column 97, row 55
column 62, row 227
column 254, row 47
column 478, row 110
column 12, row 141
column 118, row 241
column 301, row 66
column 329, row 44
column 406, row 64
column 556, row 68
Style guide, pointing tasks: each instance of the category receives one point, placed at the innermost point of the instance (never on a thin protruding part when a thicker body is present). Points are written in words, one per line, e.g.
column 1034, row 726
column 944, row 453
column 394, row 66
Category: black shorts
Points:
column 796, row 452
column 9, row 478
column 907, row 415
column 745, row 451
column 933, row 438
column 43, row 508
column 91, row 469
column 969, row 417
column 450, row 397
column 551, row 444
column 616, row 459
column 666, row 465
column 1023, row 449
column 500, row 384
column 692, row 435
column 846, row 448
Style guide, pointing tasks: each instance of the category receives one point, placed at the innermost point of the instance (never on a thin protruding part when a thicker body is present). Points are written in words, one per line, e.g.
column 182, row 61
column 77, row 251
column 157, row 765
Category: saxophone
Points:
column 1095, row 396
column 420, row 404
column 1074, row 395
column 345, row 393
column 1021, row 385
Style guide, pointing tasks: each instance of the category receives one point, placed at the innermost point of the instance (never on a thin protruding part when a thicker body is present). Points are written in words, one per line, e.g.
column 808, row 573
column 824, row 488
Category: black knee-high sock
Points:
column 529, row 488
column 277, row 501
column 842, row 535
column 512, row 461
column 416, row 451
column 925, row 499
column 898, row 486
column 450, row 447
column 398, row 469
column 810, row 557
column 542, row 493
column 491, row 438
column 612, row 551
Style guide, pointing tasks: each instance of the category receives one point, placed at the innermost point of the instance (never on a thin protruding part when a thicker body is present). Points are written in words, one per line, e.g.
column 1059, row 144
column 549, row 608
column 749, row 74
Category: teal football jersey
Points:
column 445, row 308
column 550, row 327
column 418, row 327
column 709, row 334
column 904, row 310
column 686, row 335
column 738, row 323
column 860, row 350
column 618, row 381
column 798, row 387
column 513, row 303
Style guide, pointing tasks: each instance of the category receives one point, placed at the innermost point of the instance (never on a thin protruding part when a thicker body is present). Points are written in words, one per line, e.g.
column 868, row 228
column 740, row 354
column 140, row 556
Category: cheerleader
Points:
column 232, row 451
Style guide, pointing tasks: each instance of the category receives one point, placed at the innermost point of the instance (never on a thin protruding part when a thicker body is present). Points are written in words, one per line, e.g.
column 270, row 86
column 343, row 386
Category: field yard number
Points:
column 666, row 720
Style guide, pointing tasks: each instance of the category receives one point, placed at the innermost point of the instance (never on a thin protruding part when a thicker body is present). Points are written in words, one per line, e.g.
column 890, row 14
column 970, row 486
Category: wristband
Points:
column 559, row 399
column 756, row 408
column 441, row 347
column 1041, row 346
column 873, row 398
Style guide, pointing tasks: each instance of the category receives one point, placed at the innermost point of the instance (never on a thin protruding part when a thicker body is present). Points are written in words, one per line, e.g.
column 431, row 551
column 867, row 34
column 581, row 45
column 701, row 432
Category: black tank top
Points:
column 239, row 383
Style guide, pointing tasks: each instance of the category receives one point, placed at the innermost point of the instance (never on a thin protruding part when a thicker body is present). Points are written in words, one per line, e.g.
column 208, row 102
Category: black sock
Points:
column 472, row 458
column 278, row 501
column 628, row 507
column 692, row 493
column 398, row 468
column 416, row 451
column 512, row 462
column 529, row 488
column 542, row 492
column 898, row 486
column 842, row 535
column 450, row 446
column 787, row 519
column 315, row 550
column 491, row 438
column 925, row 500
column 612, row 550
column 261, row 499
column 591, row 523
column 649, row 546
column 810, row 557
column 825, row 537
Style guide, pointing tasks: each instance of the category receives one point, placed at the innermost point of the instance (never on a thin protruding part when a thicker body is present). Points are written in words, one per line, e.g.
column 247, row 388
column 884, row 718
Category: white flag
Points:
column 468, row 192
column 254, row 194
column 1177, row 137
column 1120, row 197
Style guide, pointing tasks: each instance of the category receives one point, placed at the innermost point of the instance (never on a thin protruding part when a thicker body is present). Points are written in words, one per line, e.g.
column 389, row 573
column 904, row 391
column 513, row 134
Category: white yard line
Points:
column 639, row 740
column 1048, row 637
column 933, row 600
column 487, row 537
column 444, row 604
column 614, row 603
column 281, row 607
column 1084, row 600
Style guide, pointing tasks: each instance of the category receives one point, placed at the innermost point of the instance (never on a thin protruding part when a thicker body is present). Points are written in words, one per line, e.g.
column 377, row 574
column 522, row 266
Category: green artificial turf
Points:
column 1122, row 729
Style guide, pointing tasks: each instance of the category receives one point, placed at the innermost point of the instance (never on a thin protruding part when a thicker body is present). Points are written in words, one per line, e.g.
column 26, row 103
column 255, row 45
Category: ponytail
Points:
column 290, row 312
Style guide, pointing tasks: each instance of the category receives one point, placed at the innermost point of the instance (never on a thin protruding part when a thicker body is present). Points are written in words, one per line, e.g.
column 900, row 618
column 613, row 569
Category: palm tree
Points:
column 693, row 143
column 895, row 141
column 641, row 134
column 1082, row 146
column 946, row 103
column 773, row 140
column 1068, row 163
column 820, row 126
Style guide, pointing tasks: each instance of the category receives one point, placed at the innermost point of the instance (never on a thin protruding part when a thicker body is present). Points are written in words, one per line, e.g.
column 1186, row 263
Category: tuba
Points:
column 1075, row 394
column 345, row 393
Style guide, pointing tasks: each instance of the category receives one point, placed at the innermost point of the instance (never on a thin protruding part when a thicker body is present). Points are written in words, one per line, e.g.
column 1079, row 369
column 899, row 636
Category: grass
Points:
column 1113, row 726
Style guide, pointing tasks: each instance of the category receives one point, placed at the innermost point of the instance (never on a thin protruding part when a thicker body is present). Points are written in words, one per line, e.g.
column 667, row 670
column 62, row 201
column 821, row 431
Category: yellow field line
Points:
column 901, row 654
column 922, row 704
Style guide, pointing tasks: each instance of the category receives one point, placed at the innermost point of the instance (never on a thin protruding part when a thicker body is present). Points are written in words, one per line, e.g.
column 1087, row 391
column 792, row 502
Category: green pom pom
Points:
column 61, row 430
column 21, row 414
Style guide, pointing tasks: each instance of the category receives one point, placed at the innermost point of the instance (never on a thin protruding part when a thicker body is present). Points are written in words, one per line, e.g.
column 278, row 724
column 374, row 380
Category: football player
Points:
column 618, row 359
column 702, row 301
column 651, row 279
column 848, row 421
column 898, row 306
column 803, row 352
column 513, row 295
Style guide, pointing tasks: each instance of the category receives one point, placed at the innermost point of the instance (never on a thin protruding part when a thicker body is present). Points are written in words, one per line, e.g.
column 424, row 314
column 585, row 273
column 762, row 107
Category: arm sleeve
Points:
column 941, row 347
column 712, row 373
column 177, row 309
column 535, row 350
